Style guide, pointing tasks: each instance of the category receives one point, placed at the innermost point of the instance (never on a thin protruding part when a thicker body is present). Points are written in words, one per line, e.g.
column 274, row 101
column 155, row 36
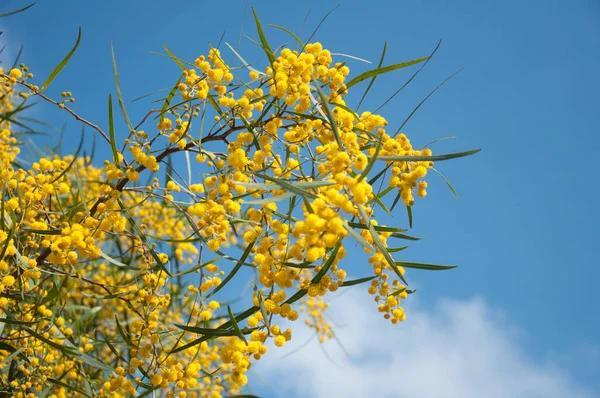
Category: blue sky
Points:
column 523, row 229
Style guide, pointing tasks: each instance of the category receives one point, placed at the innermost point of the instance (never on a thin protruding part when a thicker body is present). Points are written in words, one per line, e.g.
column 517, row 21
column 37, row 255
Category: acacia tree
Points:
column 112, row 275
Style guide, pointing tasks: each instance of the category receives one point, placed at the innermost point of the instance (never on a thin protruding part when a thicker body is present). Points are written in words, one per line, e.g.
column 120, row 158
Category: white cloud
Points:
column 461, row 349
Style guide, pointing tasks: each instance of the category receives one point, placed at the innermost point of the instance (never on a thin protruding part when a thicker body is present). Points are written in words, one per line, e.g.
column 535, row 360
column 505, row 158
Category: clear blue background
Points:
column 524, row 228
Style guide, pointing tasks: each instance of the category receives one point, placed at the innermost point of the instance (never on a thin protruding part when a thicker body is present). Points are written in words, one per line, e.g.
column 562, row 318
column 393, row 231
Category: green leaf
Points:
column 196, row 267
column 235, row 325
column 174, row 58
column 64, row 349
column 399, row 291
column 243, row 396
column 43, row 232
column 208, row 331
column 62, row 63
column 397, row 249
column 379, row 228
column 111, row 130
column 263, row 39
column 274, row 187
column 433, row 158
column 297, row 296
column 119, row 95
column 377, row 240
column 379, row 71
column 429, row 267
column 373, row 78
column 410, row 216
column 68, row 387
column 17, row 11
column 358, row 281
column 327, row 264
column 235, row 269
column 118, row 263
column 404, row 236
column 447, row 182
column 424, row 99
column 261, row 304
column 168, row 99
column 144, row 239
column 75, row 156
column 358, row 237
column 6, row 242
column 371, row 163
column 271, row 199
column 288, row 187
column 329, row 114
column 241, row 316
column 16, row 322
column 242, row 60
column 288, row 32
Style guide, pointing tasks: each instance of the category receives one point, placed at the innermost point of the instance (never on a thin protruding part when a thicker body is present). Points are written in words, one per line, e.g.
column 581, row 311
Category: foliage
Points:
column 111, row 286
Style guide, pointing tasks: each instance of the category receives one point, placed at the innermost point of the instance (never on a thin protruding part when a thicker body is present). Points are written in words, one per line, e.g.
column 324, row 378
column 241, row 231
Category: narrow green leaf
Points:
column 358, row 237
column 208, row 331
column 241, row 316
column 16, row 322
column 327, row 264
column 62, row 63
column 433, row 158
column 447, row 182
column 397, row 249
column 168, row 99
column 297, row 296
column 261, row 304
column 271, row 199
column 299, row 184
column 380, row 71
column 235, row 325
column 144, row 239
column 111, row 130
column 371, row 163
column 64, row 349
column 424, row 99
column 379, row 228
column 119, row 95
column 6, row 241
column 117, row 263
column 6, row 14
column 399, row 291
column 403, row 236
column 242, row 60
column 373, row 78
column 410, row 216
column 288, row 187
column 174, row 58
column 43, row 232
column 358, row 281
column 243, row 396
column 75, row 156
column 377, row 240
column 122, row 332
column 235, row 269
column 329, row 114
column 197, row 267
column 289, row 32
column 263, row 39
column 68, row 387
column 429, row 267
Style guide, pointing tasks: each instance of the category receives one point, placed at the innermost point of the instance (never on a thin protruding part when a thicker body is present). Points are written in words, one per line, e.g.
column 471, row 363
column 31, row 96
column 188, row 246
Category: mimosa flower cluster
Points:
column 117, row 277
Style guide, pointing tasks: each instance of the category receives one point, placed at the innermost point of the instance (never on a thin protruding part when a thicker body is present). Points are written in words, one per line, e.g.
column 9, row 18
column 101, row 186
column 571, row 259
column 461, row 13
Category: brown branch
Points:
column 75, row 115
column 122, row 182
